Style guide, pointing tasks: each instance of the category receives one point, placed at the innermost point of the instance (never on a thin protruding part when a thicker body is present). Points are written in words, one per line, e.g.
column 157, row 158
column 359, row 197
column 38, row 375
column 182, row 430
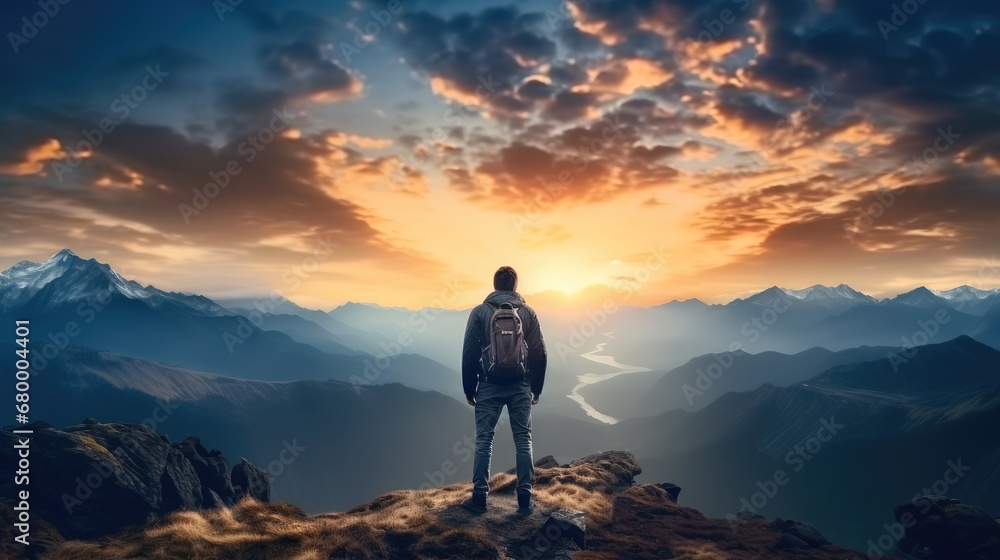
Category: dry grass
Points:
column 623, row 521
column 91, row 443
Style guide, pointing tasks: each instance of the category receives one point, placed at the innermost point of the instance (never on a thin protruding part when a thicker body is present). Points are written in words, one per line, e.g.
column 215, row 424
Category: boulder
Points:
column 746, row 515
column 948, row 529
column 791, row 541
column 561, row 536
column 922, row 507
column 673, row 491
column 565, row 524
column 801, row 531
column 93, row 479
column 621, row 464
column 250, row 480
column 213, row 472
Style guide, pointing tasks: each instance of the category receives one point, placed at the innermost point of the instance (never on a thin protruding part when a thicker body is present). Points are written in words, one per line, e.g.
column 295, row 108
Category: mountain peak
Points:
column 819, row 292
column 920, row 296
column 64, row 254
column 65, row 278
column 692, row 303
column 965, row 293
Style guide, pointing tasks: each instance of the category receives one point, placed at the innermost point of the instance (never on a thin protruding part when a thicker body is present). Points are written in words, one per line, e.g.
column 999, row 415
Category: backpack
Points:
column 507, row 351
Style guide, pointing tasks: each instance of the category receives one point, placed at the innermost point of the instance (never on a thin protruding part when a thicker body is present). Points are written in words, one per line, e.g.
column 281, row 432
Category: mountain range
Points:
column 75, row 301
column 911, row 381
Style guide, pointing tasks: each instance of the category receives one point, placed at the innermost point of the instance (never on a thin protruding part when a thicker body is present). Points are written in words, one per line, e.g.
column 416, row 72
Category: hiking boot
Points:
column 476, row 504
column 525, row 504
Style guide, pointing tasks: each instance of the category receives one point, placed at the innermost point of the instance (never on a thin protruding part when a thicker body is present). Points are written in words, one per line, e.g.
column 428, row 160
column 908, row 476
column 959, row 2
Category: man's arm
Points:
column 472, row 352
column 537, row 357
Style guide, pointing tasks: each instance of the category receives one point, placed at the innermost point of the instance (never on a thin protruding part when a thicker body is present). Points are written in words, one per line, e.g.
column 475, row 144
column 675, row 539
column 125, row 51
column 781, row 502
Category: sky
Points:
column 398, row 152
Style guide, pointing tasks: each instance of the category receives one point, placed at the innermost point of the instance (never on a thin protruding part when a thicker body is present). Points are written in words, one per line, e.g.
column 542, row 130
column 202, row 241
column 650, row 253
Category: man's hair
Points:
column 505, row 279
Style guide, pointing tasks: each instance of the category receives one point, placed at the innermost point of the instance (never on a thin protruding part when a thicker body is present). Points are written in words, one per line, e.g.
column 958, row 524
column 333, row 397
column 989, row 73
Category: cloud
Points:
column 35, row 158
column 279, row 192
column 477, row 59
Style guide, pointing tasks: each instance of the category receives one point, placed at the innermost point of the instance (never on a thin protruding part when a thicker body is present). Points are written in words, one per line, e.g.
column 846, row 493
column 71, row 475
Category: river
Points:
column 592, row 378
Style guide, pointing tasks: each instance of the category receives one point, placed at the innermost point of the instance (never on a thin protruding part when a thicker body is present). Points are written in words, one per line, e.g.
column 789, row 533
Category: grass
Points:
column 623, row 521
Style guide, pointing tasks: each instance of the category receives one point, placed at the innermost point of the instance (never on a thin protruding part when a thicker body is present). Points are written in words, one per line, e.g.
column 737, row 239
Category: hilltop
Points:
column 587, row 509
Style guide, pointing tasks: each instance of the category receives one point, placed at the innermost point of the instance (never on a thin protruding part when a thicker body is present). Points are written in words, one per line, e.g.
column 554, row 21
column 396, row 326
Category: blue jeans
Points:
column 490, row 401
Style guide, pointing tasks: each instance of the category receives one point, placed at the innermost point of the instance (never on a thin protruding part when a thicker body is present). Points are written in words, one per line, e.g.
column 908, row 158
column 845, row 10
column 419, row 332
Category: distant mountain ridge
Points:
column 70, row 300
column 65, row 277
column 819, row 292
column 717, row 452
column 26, row 277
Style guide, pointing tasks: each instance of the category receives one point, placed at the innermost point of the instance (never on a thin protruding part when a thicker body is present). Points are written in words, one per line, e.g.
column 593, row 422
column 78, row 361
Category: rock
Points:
column 213, row 500
column 791, row 541
column 565, row 524
column 561, row 536
column 622, row 464
column 102, row 478
column 213, row 472
column 921, row 507
column 803, row 531
column 546, row 462
column 949, row 529
column 673, row 491
column 249, row 480
column 42, row 540
column 747, row 515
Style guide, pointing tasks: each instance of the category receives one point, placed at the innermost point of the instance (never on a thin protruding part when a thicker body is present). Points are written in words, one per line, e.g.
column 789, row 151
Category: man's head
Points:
column 505, row 279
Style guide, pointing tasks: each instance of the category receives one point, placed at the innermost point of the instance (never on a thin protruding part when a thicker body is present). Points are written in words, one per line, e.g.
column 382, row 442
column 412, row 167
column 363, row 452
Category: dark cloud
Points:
column 483, row 56
column 131, row 189
column 569, row 105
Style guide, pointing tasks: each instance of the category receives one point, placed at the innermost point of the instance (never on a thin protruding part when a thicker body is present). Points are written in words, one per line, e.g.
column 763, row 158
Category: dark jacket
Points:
column 476, row 338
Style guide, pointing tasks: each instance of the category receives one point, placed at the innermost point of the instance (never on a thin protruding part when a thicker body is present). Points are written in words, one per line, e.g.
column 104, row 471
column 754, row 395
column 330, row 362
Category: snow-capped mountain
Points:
column 766, row 297
column 965, row 293
column 820, row 293
column 86, row 303
column 921, row 297
column 67, row 278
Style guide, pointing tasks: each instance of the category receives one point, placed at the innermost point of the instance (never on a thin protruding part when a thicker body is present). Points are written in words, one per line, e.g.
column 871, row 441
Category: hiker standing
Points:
column 503, row 364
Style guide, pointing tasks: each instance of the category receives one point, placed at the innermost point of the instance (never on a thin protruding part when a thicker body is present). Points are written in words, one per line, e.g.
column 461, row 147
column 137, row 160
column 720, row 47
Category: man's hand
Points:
column 471, row 399
column 534, row 399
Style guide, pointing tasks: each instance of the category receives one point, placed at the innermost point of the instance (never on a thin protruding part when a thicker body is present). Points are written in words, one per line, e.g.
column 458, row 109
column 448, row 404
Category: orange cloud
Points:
column 35, row 158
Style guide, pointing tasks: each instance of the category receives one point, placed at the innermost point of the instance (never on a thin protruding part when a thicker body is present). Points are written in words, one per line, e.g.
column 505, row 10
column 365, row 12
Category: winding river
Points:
column 592, row 378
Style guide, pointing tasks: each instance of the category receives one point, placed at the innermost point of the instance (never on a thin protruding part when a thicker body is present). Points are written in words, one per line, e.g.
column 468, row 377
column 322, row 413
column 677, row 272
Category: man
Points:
column 503, row 364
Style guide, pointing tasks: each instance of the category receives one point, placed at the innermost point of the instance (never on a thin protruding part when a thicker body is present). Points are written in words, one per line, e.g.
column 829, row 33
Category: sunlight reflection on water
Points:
column 592, row 378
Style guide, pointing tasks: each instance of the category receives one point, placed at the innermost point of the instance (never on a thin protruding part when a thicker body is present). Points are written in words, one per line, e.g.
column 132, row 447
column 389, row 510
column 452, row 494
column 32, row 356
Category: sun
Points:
column 565, row 280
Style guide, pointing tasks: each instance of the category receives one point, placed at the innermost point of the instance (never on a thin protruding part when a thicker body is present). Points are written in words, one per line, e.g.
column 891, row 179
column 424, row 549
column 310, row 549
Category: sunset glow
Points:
column 743, row 147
